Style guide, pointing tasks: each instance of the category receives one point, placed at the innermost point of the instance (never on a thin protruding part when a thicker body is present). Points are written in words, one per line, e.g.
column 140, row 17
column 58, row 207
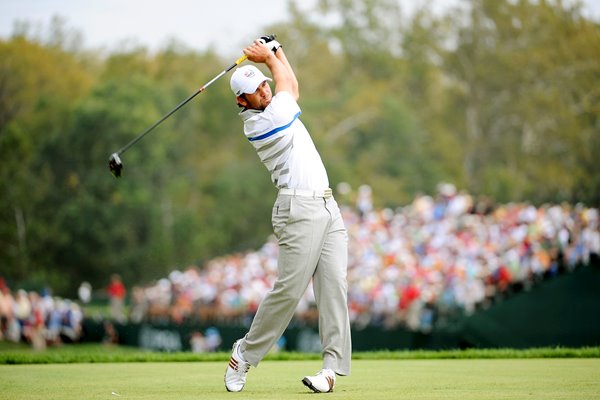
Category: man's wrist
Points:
column 270, row 57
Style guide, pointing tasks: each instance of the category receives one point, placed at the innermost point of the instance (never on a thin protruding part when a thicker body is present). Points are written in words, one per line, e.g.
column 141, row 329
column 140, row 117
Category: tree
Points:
column 514, row 70
column 39, row 88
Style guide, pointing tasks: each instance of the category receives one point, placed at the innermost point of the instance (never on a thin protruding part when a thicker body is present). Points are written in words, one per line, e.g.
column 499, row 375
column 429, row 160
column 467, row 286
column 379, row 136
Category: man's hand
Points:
column 262, row 51
column 259, row 52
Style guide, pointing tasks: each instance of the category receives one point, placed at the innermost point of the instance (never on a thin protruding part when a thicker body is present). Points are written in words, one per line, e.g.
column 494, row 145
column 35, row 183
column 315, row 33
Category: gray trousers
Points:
column 313, row 244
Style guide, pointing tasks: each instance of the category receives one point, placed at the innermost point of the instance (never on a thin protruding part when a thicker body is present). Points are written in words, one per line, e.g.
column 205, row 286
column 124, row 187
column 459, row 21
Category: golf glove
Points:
column 271, row 43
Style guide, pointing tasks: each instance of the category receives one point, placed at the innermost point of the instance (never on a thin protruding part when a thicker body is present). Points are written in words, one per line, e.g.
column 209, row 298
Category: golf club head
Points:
column 115, row 165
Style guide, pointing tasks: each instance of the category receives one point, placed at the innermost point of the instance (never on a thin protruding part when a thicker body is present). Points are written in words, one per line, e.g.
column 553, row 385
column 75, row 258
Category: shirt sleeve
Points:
column 283, row 109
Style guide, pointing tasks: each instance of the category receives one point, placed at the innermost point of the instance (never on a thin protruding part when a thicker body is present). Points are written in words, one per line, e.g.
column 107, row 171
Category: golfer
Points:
column 306, row 220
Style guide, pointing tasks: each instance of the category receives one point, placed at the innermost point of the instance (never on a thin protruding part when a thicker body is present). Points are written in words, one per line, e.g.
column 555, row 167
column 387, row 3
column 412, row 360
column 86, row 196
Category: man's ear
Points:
column 241, row 101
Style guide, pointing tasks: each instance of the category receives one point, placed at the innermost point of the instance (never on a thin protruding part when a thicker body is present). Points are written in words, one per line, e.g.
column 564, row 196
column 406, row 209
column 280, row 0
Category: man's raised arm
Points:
column 283, row 74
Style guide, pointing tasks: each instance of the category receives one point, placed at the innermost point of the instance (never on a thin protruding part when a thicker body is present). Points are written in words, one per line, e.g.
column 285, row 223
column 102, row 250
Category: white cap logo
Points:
column 246, row 79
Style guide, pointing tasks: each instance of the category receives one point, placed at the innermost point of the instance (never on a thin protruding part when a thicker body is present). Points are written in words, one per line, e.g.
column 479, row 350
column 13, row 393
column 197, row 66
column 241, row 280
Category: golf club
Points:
column 116, row 165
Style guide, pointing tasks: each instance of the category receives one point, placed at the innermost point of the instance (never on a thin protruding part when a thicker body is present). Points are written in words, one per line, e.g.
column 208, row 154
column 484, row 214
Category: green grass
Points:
column 92, row 371
column 448, row 379
column 94, row 353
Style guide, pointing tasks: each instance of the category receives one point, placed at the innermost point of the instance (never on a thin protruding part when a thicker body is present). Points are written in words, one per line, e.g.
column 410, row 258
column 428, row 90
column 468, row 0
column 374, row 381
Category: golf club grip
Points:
column 240, row 60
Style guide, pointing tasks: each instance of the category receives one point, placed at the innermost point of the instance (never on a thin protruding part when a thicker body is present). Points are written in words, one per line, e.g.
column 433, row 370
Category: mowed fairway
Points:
column 371, row 379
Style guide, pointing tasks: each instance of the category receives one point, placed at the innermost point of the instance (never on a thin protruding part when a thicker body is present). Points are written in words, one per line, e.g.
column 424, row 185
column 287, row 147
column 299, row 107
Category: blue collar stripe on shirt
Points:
column 274, row 131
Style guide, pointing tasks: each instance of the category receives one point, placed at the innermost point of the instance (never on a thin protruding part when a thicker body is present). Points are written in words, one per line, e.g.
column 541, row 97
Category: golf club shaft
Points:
column 140, row 136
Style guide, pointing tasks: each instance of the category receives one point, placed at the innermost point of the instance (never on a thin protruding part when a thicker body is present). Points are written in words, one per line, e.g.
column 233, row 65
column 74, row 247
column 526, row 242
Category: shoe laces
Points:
column 324, row 372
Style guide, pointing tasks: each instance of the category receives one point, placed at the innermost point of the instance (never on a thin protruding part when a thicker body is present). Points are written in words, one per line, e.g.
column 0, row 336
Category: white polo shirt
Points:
column 284, row 145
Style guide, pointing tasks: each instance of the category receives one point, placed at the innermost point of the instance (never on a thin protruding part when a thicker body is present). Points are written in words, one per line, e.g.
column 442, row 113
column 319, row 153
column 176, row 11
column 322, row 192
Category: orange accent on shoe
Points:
column 330, row 382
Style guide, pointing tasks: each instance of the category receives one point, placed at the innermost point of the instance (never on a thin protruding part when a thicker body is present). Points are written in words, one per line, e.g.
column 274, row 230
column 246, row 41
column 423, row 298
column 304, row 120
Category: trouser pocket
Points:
column 281, row 215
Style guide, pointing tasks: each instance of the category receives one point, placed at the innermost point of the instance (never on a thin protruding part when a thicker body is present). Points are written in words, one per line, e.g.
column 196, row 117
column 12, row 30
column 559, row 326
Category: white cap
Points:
column 246, row 79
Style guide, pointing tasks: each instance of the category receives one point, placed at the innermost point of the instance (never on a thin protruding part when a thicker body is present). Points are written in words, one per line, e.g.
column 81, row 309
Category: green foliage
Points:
column 520, row 68
column 499, row 97
column 39, row 87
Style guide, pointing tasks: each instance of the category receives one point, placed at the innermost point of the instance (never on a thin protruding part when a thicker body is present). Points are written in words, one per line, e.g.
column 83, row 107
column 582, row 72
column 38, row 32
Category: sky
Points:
column 220, row 24
column 110, row 23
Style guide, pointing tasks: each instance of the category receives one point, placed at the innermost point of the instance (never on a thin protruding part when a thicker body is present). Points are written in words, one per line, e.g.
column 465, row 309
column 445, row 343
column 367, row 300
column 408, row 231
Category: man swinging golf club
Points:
column 306, row 221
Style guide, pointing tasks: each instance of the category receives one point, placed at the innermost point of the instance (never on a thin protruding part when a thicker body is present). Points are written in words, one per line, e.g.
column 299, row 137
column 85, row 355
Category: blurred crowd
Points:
column 38, row 318
column 413, row 266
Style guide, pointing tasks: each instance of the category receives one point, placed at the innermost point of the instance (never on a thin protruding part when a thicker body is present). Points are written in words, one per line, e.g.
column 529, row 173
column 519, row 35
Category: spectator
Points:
column 212, row 339
column 364, row 200
column 208, row 341
column 39, row 320
column 85, row 292
column 116, row 295
column 111, row 336
column 6, row 308
column 198, row 342
column 22, row 310
column 34, row 329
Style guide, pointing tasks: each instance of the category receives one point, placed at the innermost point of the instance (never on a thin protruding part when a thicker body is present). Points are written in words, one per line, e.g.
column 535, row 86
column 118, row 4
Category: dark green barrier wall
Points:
column 562, row 311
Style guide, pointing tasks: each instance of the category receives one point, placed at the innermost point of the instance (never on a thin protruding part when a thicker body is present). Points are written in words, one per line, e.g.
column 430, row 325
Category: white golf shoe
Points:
column 235, row 375
column 322, row 382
